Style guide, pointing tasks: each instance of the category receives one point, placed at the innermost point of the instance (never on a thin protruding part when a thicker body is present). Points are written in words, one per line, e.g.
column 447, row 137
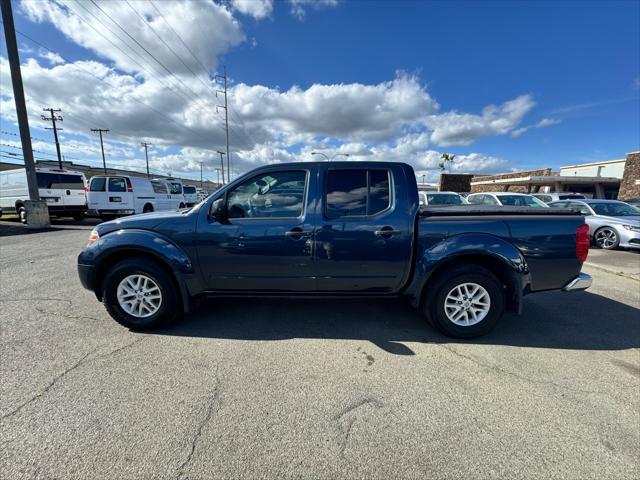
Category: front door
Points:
column 364, row 238
column 265, row 242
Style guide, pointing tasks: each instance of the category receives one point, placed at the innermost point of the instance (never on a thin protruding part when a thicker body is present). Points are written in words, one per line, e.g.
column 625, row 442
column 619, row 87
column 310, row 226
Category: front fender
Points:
column 137, row 240
column 471, row 246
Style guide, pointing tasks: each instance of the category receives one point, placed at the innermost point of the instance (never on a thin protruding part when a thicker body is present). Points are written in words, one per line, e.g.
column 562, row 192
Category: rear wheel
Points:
column 465, row 302
column 147, row 208
column 607, row 238
column 182, row 205
column 140, row 295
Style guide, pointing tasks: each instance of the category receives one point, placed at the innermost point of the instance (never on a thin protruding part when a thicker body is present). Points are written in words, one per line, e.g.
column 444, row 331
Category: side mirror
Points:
column 219, row 210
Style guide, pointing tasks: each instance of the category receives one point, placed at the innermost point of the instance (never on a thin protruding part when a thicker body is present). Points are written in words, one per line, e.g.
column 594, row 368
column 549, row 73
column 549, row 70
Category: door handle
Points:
column 387, row 232
column 295, row 233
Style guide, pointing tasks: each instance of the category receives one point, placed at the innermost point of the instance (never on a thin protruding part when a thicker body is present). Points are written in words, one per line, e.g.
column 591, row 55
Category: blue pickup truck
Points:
column 334, row 229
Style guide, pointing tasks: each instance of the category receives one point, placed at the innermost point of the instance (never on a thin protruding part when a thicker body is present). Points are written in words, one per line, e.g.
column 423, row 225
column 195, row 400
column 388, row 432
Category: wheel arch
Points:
column 114, row 256
column 498, row 267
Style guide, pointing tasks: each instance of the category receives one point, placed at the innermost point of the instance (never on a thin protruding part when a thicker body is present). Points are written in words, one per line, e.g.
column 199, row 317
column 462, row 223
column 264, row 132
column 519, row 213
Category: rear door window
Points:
column 71, row 182
column 117, row 185
column 48, row 180
column 353, row 193
column 98, row 184
column 189, row 190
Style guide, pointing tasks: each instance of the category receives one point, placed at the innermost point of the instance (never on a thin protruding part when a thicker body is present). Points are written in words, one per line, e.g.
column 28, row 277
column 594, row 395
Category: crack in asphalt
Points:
column 59, row 377
column 36, row 299
column 207, row 417
column 346, row 432
column 499, row 369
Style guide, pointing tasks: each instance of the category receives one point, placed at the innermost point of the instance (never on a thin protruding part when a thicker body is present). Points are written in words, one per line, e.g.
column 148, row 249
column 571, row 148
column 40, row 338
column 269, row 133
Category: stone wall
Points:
column 630, row 186
column 455, row 182
column 499, row 187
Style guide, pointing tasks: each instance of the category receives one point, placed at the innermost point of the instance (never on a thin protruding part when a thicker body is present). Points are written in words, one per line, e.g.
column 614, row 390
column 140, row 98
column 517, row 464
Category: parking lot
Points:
column 315, row 389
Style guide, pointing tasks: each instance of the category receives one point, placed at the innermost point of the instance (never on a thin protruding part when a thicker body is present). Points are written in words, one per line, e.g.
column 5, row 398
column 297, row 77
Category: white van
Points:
column 190, row 195
column 117, row 195
column 63, row 190
column 175, row 187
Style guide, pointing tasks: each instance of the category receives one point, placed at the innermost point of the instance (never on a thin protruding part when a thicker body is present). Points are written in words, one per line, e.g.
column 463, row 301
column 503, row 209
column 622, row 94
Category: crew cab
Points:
column 334, row 229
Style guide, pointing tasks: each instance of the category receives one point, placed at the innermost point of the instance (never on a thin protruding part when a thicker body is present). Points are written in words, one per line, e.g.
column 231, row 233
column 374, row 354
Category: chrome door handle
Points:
column 387, row 232
column 295, row 233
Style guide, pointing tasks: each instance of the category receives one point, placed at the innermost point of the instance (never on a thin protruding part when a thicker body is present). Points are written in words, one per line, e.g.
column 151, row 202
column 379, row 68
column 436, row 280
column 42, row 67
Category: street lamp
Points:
column 329, row 159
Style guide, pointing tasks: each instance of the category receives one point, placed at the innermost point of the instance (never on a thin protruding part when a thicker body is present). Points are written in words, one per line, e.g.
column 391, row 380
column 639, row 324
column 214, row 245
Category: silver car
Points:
column 612, row 224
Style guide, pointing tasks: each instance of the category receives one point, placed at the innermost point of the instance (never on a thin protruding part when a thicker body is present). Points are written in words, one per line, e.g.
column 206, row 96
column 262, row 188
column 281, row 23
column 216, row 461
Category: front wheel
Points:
column 465, row 302
column 140, row 295
column 22, row 215
column 607, row 238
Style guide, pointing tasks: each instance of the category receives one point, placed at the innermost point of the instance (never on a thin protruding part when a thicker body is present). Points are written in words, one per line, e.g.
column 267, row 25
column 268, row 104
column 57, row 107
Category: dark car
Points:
column 335, row 229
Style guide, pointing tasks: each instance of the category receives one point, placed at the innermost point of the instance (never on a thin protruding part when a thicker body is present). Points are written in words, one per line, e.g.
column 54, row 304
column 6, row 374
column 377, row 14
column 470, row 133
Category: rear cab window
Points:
column 356, row 192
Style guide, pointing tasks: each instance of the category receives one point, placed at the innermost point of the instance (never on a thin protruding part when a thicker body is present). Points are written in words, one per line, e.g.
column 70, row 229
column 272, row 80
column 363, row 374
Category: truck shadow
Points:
column 580, row 320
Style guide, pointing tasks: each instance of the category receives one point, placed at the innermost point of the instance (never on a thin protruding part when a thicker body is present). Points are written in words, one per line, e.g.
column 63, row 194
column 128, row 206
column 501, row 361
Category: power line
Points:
column 110, row 85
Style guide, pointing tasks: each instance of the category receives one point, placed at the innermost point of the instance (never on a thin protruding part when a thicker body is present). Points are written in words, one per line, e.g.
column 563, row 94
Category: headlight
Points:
column 633, row 228
column 94, row 237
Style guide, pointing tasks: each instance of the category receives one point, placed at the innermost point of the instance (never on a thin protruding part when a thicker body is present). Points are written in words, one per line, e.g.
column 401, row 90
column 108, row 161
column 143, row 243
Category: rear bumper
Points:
column 113, row 211
column 581, row 282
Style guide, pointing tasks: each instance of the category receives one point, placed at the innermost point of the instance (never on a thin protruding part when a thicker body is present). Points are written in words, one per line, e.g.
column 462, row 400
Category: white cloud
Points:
column 53, row 58
column 394, row 120
column 299, row 7
column 453, row 128
column 257, row 9
column 209, row 29
column 545, row 122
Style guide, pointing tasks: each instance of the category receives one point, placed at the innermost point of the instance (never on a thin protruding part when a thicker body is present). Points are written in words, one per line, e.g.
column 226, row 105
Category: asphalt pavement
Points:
column 309, row 388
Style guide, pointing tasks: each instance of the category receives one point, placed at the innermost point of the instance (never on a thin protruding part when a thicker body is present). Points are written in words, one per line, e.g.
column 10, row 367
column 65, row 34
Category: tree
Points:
column 447, row 161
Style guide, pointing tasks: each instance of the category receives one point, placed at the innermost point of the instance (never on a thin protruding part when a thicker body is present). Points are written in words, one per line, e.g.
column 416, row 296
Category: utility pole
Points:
column 218, row 172
column 222, row 164
column 39, row 214
column 226, row 119
column 104, row 162
column 146, row 154
column 53, row 118
column 201, row 163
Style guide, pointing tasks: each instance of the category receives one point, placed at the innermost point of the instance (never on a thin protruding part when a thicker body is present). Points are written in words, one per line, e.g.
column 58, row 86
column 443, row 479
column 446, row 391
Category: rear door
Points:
column 118, row 195
column 364, row 237
column 72, row 190
column 48, row 188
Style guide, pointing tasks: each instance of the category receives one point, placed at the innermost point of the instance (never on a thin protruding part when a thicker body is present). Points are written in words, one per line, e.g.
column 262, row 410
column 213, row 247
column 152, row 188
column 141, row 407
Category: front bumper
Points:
column 581, row 282
column 85, row 272
column 629, row 238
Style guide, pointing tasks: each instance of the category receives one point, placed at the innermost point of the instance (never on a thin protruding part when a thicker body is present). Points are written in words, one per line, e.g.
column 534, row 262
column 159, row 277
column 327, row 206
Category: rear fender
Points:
column 489, row 251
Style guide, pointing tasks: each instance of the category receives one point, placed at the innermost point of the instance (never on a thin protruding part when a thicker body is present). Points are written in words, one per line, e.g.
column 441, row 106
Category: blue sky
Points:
column 572, row 69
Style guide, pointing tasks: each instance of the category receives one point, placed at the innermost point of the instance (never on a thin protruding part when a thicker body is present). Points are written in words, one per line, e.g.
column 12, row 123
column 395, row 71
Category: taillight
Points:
column 129, row 187
column 94, row 237
column 582, row 242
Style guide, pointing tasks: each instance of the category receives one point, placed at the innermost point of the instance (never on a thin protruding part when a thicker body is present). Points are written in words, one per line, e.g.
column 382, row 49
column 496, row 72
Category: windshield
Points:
column 444, row 199
column 522, row 201
column 614, row 209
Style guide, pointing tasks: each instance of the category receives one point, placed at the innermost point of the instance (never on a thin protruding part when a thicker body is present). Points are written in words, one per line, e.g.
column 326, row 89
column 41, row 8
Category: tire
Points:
column 147, row 208
column 181, row 206
column 452, row 285
column 78, row 216
column 607, row 238
column 168, row 307
column 22, row 214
